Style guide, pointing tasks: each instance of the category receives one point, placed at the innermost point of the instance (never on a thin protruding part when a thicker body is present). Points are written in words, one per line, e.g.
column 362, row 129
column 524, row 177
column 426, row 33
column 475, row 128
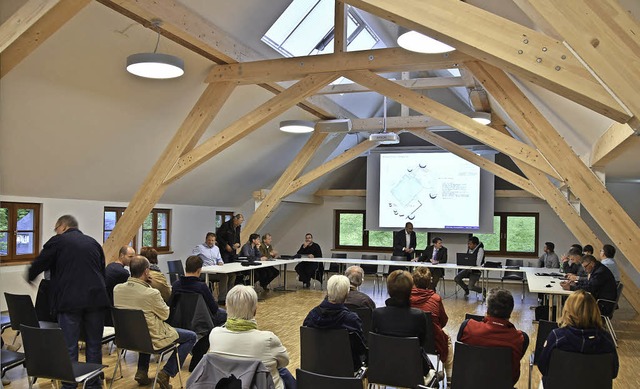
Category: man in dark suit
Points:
column 404, row 242
column 600, row 283
column 436, row 253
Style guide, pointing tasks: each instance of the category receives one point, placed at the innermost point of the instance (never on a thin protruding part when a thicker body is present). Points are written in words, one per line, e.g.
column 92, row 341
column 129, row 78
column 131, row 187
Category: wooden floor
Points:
column 283, row 313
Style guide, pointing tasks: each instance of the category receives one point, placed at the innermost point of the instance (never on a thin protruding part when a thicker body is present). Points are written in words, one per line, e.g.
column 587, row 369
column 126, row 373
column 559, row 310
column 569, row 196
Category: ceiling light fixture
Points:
column 483, row 118
column 297, row 126
column 420, row 43
column 155, row 65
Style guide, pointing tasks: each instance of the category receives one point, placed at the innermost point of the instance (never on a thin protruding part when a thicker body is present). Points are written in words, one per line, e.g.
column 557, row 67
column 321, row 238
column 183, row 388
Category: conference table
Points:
column 547, row 281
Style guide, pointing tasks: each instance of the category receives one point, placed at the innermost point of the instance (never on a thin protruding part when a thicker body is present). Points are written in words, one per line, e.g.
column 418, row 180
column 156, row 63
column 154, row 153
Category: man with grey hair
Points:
column 333, row 314
column 78, row 292
column 355, row 298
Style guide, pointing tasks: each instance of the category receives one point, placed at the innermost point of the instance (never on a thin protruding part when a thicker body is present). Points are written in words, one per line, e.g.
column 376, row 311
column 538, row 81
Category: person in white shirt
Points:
column 210, row 254
column 606, row 258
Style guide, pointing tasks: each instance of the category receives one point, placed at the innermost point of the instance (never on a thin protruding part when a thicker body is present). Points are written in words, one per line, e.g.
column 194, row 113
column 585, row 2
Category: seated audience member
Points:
column 580, row 331
column 566, row 264
column 333, row 314
column 355, row 298
column 251, row 249
column 240, row 337
column 436, row 253
column 158, row 280
column 424, row 297
column 308, row 270
column 210, row 255
column 549, row 259
column 398, row 318
column 115, row 273
column 190, row 283
column 136, row 293
column 606, row 258
column 587, row 250
column 475, row 248
column 600, row 283
column 496, row 330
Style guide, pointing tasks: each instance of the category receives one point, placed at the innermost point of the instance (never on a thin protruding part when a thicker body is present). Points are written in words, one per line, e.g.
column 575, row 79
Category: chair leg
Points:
column 178, row 362
column 115, row 369
column 522, row 299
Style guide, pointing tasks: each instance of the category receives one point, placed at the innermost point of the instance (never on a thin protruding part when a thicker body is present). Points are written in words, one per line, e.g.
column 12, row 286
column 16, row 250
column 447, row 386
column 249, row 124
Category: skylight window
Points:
column 306, row 28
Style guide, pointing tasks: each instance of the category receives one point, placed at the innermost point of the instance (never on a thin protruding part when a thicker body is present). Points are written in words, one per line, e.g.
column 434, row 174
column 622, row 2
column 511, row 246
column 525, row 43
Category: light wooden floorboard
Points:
column 283, row 314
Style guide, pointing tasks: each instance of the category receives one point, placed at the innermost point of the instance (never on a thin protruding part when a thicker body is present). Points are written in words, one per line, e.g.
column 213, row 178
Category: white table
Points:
column 236, row 267
column 548, row 285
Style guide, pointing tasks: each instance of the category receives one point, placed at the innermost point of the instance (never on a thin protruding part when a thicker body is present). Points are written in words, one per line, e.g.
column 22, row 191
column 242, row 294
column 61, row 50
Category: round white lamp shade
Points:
column 297, row 126
column 155, row 65
column 420, row 43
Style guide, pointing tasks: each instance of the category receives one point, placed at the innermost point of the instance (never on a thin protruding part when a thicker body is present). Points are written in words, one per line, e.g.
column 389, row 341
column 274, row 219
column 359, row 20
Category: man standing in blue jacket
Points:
column 78, row 292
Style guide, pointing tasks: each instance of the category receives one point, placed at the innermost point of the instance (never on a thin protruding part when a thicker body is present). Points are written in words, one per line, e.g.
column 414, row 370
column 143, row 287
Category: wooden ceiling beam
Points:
column 248, row 123
column 277, row 193
column 395, row 123
column 413, row 84
column 192, row 31
column 378, row 60
column 517, row 49
column 483, row 163
column 615, row 140
column 153, row 187
column 330, row 166
column 605, row 37
column 455, row 119
column 42, row 23
column 593, row 195
column 341, row 192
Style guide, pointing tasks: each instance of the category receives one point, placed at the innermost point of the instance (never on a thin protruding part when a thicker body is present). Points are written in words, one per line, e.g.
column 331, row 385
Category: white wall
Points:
column 189, row 224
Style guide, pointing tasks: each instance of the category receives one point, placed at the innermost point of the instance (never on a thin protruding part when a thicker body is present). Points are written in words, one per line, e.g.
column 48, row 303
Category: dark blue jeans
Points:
column 92, row 321
column 287, row 378
column 186, row 340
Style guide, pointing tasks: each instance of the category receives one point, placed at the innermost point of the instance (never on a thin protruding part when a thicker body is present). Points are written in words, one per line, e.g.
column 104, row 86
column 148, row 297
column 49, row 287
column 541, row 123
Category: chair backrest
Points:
column 619, row 290
column 339, row 255
column 398, row 258
column 369, row 269
column 544, row 329
column 514, row 274
column 308, row 380
column 46, row 353
column 175, row 270
column 473, row 317
column 430, row 338
column 132, row 332
column 591, row 371
column 326, row 352
column 387, row 368
column 21, row 310
column 482, row 367
column 334, row 266
column 366, row 315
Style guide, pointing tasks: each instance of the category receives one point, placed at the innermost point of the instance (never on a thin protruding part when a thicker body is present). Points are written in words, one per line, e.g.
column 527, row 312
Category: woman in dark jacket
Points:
column 580, row 331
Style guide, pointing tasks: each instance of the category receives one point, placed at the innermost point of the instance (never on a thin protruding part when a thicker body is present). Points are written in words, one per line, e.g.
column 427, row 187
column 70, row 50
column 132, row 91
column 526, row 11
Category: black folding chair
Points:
column 175, row 270
column 395, row 361
column 481, row 367
column 513, row 275
column 592, row 371
column 327, row 352
column 22, row 311
column 308, row 380
column 544, row 329
column 611, row 306
column 371, row 270
column 335, row 267
column 11, row 359
column 366, row 315
column 47, row 356
column 473, row 317
column 132, row 333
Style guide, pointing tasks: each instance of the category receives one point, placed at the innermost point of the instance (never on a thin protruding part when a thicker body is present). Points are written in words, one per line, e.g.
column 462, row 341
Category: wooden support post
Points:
column 461, row 122
column 31, row 38
column 593, row 195
column 275, row 195
column 340, row 28
column 248, row 123
column 477, row 160
column 330, row 166
column 194, row 125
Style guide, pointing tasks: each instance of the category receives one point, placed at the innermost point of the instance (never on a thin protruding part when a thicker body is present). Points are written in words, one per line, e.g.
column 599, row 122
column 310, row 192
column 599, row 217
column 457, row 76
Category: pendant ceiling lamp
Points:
column 420, row 43
column 155, row 65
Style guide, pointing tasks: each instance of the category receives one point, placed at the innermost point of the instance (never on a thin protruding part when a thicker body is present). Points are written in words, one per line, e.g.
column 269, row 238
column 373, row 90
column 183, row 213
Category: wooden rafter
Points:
column 572, row 219
column 340, row 28
column 395, row 123
column 330, row 166
column 248, row 123
column 380, row 60
column 455, row 119
column 22, row 19
column 593, row 195
column 414, row 84
column 43, row 23
column 520, row 50
column 615, row 140
column 341, row 192
column 611, row 33
column 477, row 160
column 276, row 194
column 152, row 188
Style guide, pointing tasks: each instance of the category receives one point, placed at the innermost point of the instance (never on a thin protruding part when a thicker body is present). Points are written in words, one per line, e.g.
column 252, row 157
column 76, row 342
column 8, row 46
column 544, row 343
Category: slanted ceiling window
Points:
column 306, row 28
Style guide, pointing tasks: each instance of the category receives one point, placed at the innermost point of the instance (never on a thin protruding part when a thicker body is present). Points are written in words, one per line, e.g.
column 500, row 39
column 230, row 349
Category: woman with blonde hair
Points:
column 581, row 331
column 427, row 300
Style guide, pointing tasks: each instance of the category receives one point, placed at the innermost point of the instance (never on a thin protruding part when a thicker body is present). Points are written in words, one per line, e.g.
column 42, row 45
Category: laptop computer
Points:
column 466, row 259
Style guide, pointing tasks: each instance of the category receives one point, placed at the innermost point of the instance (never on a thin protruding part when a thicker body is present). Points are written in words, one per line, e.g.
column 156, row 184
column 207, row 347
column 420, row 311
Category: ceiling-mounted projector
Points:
column 333, row 125
column 385, row 138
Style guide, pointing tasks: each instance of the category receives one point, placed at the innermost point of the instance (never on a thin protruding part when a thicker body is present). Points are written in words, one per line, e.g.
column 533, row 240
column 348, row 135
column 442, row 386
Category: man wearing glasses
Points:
column 600, row 282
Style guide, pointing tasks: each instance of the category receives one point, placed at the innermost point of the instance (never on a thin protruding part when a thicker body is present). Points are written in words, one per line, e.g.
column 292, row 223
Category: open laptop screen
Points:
column 466, row 259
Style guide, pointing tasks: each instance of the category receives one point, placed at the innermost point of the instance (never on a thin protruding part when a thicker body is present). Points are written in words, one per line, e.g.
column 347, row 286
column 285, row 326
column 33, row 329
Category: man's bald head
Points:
column 138, row 266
